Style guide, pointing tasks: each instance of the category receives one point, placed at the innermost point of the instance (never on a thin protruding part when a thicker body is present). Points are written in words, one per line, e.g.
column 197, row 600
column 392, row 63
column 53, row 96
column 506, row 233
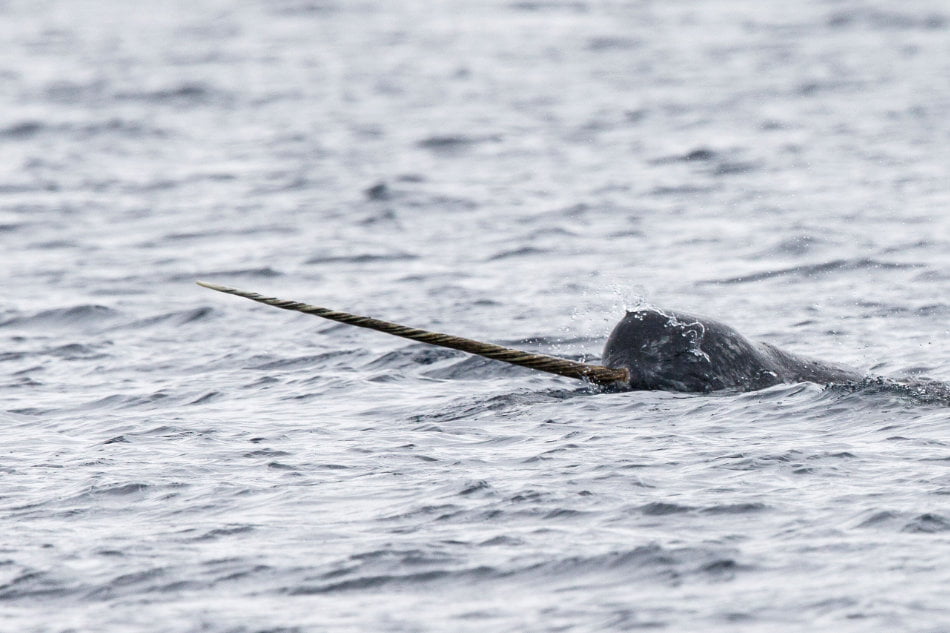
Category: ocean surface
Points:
column 177, row 460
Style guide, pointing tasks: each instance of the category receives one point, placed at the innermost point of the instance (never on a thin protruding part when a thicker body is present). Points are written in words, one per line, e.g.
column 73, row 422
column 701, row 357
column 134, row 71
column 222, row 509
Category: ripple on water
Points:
column 809, row 271
column 907, row 522
column 86, row 315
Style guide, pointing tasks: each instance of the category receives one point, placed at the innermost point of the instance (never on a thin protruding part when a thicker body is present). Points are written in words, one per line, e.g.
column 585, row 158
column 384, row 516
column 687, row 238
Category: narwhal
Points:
column 650, row 349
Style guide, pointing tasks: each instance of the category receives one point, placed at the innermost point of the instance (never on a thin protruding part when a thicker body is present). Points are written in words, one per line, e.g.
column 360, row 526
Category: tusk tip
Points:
column 207, row 284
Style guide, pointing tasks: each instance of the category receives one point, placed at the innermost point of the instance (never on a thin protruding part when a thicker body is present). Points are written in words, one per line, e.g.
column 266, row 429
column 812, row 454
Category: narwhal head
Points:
column 666, row 350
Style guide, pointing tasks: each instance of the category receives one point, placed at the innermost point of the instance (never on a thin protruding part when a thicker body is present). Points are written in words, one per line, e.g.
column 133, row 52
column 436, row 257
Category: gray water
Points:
column 179, row 460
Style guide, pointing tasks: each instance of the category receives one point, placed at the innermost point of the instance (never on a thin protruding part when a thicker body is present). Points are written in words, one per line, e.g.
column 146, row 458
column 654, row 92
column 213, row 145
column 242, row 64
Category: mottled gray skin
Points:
column 673, row 351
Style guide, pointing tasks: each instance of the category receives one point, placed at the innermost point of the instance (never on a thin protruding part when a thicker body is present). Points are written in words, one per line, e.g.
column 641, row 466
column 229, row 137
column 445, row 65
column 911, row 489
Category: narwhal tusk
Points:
column 562, row 367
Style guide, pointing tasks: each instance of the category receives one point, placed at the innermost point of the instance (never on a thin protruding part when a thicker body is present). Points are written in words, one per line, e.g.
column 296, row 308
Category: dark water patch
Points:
column 646, row 562
column 879, row 308
column 640, row 559
column 613, row 43
column 837, row 455
column 807, row 272
column 557, row 232
column 363, row 258
column 503, row 540
column 190, row 316
column 267, row 452
column 530, row 496
column 32, row 583
column 133, row 289
column 34, row 186
column 27, row 370
column 311, row 7
column 229, row 575
column 561, row 514
column 124, row 401
column 379, row 581
column 173, row 319
column 72, row 92
column 222, row 533
column 886, row 20
column 727, row 168
column 265, row 272
column 23, row 382
column 916, row 391
column 123, row 583
column 722, row 567
column 277, row 183
column 478, row 368
column 31, row 411
column 504, row 401
column 425, row 511
column 385, row 378
column 379, row 191
column 797, row 246
column 183, row 94
column 525, row 251
column 928, row 523
column 462, row 410
column 299, row 362
column 698, row 155
column 80, row 315
column 111, row 553
column 23, row 130
column 105, row 492
column 932, row 310
column 122, row 128
column 546, row 6
column 193, row 235
column 450, row 144
column 661, row 508
column 819, row 88
column 28, row 130
column 211, row 396
column 574, row 211
column 931, row 276
column 401, row 558
column 179, row 586
column 433, row 276
column 77, row 351
column 735, row 508
column 54, row 245
column 411, row 356
column 424, row 203
column 790, row 460
column 481, row 487
column 717, row 163
column 379, row 216
column 680, row 190
column 770, row 125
